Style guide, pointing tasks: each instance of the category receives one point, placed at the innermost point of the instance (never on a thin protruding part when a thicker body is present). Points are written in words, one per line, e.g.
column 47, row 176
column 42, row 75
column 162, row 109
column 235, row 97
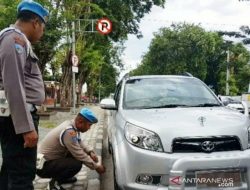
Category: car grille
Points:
column 209, row 144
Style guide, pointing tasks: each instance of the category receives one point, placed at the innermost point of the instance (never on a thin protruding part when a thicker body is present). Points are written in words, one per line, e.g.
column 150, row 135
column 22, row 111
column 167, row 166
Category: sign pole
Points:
column 73, row 73
column 104, row 26
column 228, row 73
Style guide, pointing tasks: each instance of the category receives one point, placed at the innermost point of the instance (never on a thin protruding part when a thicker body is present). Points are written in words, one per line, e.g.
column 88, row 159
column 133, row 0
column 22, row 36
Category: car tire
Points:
column 109, row 147
column 116, row 187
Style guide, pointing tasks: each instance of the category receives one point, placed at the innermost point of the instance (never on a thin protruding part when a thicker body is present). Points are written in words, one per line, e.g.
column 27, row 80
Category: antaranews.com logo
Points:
column 215, row 182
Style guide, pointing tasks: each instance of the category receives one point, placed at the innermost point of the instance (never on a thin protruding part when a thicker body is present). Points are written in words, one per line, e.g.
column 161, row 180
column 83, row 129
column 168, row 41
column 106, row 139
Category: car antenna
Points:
column 187, row 74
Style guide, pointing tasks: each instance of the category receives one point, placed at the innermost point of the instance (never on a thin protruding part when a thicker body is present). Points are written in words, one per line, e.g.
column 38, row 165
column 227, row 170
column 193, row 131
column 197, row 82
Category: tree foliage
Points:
column 244, row 34
column 98, row 54
column 125, row 15
column 189, row 48
column 47, row 46
column 8, row 9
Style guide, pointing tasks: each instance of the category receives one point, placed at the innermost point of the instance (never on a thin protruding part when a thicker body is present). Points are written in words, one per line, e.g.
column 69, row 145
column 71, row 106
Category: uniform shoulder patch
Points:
column 19, row 40
column 19, row 48
column 73, row 135
column 19, row 44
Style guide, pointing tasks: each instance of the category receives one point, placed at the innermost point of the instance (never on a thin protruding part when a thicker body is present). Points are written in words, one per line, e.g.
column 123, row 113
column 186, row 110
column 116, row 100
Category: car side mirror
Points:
column 225, row 103
column 245, row 106
column 219, row 98
column 108, row 104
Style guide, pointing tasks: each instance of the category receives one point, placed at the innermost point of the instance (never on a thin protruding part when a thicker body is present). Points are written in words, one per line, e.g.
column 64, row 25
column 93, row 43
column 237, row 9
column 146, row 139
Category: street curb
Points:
column 94, row 184
column 93, row 176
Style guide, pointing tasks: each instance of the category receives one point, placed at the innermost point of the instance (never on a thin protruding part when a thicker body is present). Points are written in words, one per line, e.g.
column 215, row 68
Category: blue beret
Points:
column 89, row 115
column 29, row 5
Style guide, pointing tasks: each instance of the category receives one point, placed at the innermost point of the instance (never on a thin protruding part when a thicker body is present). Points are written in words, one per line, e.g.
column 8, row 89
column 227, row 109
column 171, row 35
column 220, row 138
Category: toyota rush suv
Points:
column 173, row 133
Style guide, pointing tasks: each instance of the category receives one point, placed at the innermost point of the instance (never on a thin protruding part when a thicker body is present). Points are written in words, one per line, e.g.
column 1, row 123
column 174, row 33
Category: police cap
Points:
column 89, row 115
column 34, row 7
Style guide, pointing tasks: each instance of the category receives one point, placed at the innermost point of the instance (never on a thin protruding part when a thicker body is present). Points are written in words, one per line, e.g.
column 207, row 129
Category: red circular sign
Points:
column 104, row 26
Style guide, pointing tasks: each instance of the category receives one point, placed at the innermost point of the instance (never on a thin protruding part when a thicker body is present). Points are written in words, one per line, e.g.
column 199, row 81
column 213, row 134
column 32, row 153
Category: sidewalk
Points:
column 86, row 179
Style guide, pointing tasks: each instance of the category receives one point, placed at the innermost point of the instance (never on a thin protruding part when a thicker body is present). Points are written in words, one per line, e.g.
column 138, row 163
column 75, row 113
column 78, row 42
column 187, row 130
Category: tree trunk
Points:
column 81, row 81
column 66, row 83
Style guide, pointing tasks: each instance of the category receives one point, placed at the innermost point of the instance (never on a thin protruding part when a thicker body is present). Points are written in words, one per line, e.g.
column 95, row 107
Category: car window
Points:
column 157, row 92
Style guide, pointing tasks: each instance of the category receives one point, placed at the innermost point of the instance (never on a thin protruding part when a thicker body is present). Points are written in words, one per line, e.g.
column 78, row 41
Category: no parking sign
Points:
column 104, row 26
column 75, row 62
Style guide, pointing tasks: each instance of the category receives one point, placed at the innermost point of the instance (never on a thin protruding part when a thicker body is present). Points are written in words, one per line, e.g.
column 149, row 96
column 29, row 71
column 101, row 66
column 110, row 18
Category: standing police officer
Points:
column 21, row 83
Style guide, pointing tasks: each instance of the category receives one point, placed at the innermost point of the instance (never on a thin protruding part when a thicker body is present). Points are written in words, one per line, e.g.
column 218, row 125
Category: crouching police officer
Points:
column 64, row 151
column 21, row 88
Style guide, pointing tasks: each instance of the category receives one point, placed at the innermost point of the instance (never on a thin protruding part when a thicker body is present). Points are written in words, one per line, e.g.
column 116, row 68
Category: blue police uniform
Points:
column 22, row 82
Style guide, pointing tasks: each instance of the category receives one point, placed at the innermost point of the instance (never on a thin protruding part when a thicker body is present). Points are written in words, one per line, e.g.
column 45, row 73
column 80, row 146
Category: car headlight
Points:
column 143, row 138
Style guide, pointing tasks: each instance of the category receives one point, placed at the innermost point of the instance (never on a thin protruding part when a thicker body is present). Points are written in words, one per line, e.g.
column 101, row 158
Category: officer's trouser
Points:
column 19, row 164
column 60, row 169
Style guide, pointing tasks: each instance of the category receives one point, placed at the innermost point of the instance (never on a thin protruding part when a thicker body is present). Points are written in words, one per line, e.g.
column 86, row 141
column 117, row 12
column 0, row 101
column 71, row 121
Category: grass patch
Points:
column 47, row 124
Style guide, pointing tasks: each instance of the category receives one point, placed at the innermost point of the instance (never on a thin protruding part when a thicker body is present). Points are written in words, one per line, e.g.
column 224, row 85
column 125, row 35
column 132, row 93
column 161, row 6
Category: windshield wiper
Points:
column 167, row 106
column 207, row 105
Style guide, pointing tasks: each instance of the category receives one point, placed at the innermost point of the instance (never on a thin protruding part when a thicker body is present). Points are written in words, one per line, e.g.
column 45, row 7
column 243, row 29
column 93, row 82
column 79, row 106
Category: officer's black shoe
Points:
column 54, row 185
column 68, row 180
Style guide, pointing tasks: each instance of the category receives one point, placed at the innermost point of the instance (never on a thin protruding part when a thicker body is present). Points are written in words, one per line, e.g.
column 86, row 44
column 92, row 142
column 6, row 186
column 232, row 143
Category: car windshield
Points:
column 149, row 93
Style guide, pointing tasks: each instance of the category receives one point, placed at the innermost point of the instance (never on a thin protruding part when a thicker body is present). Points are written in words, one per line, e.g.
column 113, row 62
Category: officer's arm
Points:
column 89, row 150
column 86, row 148
column 13, row 59
column 71, row 143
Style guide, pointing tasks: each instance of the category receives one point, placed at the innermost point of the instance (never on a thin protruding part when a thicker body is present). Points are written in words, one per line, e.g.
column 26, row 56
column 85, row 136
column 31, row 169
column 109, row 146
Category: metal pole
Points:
column 228, row 73
column 74, row 77
column 99, row 98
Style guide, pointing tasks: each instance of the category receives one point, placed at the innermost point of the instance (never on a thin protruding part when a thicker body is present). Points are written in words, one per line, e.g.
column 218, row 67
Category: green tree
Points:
column 178, row 49
column 46, row 48
column 8, row 9
column 97, row 53
column 125, row 15
column 238, row 69
column 189, row 48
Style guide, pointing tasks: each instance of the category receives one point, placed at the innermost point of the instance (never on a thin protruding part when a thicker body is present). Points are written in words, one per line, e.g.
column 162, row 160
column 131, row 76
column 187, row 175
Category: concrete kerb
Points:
column 93, row 176
column 86, row 179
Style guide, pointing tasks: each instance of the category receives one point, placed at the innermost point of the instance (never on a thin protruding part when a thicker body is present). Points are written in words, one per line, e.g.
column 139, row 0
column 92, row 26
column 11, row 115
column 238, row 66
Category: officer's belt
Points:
column 32, row 107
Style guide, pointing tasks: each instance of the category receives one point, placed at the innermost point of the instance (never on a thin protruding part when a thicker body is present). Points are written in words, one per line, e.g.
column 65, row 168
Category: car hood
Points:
column 171, row 123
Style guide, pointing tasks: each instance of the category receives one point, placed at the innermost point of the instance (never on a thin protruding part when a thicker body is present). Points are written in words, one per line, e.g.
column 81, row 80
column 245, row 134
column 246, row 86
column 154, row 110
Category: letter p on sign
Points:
column 104, row 26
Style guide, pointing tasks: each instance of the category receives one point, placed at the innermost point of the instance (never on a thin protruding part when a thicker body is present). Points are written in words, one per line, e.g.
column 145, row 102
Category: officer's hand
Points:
column 30, row 139
column 94, row 157
column 101, row 169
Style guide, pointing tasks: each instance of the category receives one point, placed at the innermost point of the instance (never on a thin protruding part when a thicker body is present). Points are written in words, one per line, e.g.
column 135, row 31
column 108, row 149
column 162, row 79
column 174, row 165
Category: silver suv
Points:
column 173, row 133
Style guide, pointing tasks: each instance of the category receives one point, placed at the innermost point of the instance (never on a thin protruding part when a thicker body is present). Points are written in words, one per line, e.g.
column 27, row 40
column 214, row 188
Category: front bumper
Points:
column 139, row 161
